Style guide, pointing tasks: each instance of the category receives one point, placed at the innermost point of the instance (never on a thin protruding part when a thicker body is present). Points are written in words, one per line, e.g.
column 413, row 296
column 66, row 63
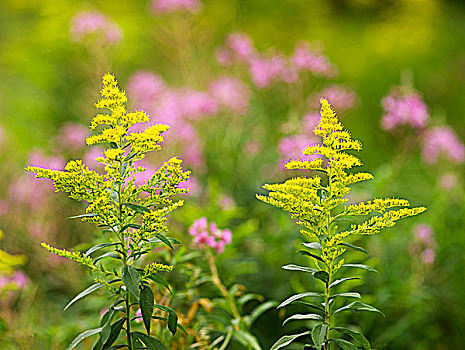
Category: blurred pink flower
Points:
column 241, row 45
column 403, row 109
column 340, row 97
column 424, row 233
column 72, row 136
column 231, row 93
column 306, row 59
column 428, row 256
column 224, row 56
column 168, row 6
column 448, row 181
column 309, row 123
column 18, row 280
column 97, row 25
column 89, row 158
column 442, row 141
column 144, row 88
column 265, row 70
column 206, row 234
column 292, row 146
column 192, row 184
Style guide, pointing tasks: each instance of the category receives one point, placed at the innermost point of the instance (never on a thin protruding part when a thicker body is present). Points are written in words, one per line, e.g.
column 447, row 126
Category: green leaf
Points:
column 137, row 208
column 159, row 279
column 287, row 339
column 81, row 295
column 150, row 342
column 244, row 299
column 299, row 296
column 82, row 336
column 88, row 215
column 107, row 327
column 311, row 306
column 293, row 267
column 108, row 255
column 166, row 320
column 165, row 240
column 172, row 240
column 360, row 249
column 146, row 306
column 355, row 335
column 259, row 310
column 319, row 334
column 322, row 275
column 131, row 279
column 336, row 282
column 97, row 247
column 303, row 317
column 344, row 344
column 358, row 306
column 115, row 330
column 360, row 266
column 304, row 252
column 346, row 295
column 313, row 245
column 125, row 227
column 247, row 339
column 172, row 317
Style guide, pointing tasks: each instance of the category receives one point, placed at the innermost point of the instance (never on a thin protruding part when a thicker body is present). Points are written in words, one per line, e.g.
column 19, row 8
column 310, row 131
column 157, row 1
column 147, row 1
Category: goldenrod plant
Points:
column 319, row 204
column 132, row 218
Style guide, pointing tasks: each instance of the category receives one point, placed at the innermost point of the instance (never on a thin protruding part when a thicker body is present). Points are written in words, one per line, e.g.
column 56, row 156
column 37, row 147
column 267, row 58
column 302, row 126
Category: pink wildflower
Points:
column 206, row 234
column 424, row 233
column 145, row 87
column 231, row 93
column 442, row 141
column 241, row 46
column 72, row 135
column 169, row 6
column 306, row 59
column 93, row 23
column 428, row 256
column 404, row 109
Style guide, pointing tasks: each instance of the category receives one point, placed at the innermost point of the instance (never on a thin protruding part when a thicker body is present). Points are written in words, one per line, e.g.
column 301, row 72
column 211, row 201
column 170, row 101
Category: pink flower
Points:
column 292, row 146
column 231, row 93
column 224, row 56
column 241, row 46
column 448, row 181
column 264, row 71
column 309, row 123
column 144, row 88
column 428, row 256
column 424, row 233
column 442, row 141
column 306, row 59
column 169, row 6
column 73, row 136
column 341, row 98
column 206, row 234
column 97, row 25
column 139, row 316
column 404, row 109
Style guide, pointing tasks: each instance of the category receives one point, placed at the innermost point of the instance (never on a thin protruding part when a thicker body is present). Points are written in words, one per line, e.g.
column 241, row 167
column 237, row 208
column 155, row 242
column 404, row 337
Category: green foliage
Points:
column 134, row 216
column 320, row 210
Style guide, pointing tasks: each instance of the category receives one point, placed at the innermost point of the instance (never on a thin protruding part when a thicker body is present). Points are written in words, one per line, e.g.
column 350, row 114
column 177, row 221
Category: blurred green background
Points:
column 48, row 80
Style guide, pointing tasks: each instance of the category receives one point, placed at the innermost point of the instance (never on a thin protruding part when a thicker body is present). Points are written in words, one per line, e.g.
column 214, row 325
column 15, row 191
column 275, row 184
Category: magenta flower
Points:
column 428, row 256
column 424, row 233
column 442, row 141
column 210, row 235
column 72, row 136
column 290, row 147
column 241, row 45
column 231, row 93
column 96, row 25
column 144, row 88
column 306, row 59
column 169, row 6
column 404, row 109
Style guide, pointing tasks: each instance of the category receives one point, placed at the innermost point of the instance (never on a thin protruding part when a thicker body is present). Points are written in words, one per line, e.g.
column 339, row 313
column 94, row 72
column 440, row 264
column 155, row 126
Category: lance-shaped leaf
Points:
column 357, row 306
column 146, row 306
column 159, row 279
column 88, row 215
column 321, row 275
column 293, row 267
column 82, row 336
column 172, row 317
column 85, row 292
column 99, row 246
column 115, row 330
column 344, row 344
column 287, row 339
column 151, row 343
column 166, row 320
column 360, row 266
column 258, row 311
column 346, row 295
column 107, row 327
column 304, row 252
column 355, row 335
column 336, row 282
column 299, row 296
column 165, row 240
column 303, row 317
column 319, row 334
column 360, row 249
column 137, row 208
column 247, row 339
column 313, row 245
column 131, row 279
column 108, row 255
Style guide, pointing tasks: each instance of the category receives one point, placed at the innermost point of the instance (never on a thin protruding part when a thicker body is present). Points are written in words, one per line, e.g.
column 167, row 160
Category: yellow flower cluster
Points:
column 75, row 256
column 153, row 221
column 149, row 140
column 155, row 267
column 113, row 97
column 312, row 204
column 76, row 180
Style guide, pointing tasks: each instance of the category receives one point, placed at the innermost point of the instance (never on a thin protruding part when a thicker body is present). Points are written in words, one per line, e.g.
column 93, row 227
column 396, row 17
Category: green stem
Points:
column 128, row 322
